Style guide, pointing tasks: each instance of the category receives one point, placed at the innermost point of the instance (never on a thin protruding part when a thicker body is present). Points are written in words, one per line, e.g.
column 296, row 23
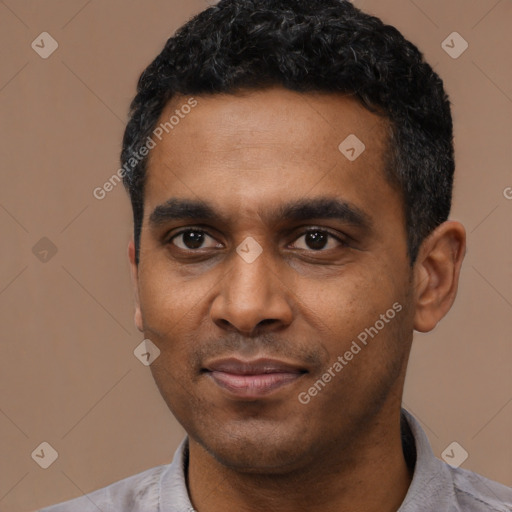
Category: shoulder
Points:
column 476, row 493
column 438, row 486
column 136, row 493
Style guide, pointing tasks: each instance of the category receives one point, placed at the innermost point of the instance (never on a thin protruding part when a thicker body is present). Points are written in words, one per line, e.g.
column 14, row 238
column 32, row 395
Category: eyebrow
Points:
column 176, row 209
column 182, row 209
column 325, row 208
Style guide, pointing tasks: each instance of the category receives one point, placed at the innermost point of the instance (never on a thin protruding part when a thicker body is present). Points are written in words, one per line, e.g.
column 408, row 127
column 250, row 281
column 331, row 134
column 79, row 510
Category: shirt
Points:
column 435, row 486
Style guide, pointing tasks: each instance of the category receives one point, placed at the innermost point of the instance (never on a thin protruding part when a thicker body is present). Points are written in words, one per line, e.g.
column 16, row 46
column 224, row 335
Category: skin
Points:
column 245, row 155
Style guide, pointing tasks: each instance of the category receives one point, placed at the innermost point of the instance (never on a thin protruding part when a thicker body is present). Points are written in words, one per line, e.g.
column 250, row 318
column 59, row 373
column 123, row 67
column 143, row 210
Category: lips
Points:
column 252, row 379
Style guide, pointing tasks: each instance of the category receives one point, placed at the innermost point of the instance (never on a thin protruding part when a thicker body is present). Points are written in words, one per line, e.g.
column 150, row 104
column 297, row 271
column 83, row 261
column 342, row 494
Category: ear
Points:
column 436, row 274
column 135, row 281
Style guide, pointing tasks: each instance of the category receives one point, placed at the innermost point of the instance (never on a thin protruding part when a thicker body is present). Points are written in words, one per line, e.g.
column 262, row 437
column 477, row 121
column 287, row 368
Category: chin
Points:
column 257, row 450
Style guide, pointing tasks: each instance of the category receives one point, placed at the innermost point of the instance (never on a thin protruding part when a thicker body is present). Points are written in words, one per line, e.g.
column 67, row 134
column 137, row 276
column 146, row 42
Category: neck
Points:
column 367, row 474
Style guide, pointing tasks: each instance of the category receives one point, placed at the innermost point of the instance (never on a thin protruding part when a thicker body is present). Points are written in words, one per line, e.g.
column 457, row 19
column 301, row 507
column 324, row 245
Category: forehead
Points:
column 252, row 149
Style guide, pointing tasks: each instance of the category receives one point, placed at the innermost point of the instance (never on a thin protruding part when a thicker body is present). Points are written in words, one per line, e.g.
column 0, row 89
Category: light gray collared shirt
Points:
column 435, row 487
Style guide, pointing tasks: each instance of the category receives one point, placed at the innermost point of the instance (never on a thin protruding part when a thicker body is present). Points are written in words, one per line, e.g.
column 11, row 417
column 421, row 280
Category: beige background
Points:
column 68, row 373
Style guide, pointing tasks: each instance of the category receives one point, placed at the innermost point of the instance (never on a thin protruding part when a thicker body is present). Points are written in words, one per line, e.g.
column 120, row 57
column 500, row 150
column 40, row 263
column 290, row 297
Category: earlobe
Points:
column 436, row 274
column 135, row 282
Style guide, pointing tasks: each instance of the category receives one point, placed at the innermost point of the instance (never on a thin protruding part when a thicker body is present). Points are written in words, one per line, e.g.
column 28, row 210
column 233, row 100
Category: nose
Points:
column 252, row 298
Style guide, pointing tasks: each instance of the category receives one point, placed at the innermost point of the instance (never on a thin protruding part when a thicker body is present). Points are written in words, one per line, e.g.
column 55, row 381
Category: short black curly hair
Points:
column 309, row 45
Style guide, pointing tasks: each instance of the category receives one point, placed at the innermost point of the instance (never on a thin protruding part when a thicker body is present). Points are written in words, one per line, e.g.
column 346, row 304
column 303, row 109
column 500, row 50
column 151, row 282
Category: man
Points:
column 290, row 167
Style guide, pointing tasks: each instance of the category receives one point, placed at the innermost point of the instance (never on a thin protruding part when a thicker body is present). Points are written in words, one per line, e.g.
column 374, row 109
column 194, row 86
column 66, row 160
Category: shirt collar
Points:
column 431, row 488
column 428, row 491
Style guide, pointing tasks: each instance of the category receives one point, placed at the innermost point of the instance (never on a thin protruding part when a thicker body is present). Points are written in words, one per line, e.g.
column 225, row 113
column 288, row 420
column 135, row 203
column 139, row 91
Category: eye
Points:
column 191, row 239
column 317, row 240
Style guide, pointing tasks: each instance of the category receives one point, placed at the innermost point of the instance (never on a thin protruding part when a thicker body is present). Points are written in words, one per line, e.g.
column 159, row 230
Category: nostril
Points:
column 266, row 322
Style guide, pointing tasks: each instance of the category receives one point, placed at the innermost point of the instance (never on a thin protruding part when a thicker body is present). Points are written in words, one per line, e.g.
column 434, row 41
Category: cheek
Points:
column 168, row 301
column 342, row 307
column 360, row 320
column 364, row 331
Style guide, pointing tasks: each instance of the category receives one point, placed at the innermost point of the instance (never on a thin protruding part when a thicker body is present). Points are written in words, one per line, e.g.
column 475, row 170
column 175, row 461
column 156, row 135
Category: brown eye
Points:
column 316, row 240
column 193, row 239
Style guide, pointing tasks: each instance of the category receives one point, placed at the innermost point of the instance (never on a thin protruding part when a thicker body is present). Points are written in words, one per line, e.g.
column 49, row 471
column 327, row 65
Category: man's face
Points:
column 245, row 335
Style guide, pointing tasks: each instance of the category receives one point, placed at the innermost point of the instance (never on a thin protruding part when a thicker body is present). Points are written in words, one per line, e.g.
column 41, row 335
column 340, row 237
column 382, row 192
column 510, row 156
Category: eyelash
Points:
column 342, row 242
